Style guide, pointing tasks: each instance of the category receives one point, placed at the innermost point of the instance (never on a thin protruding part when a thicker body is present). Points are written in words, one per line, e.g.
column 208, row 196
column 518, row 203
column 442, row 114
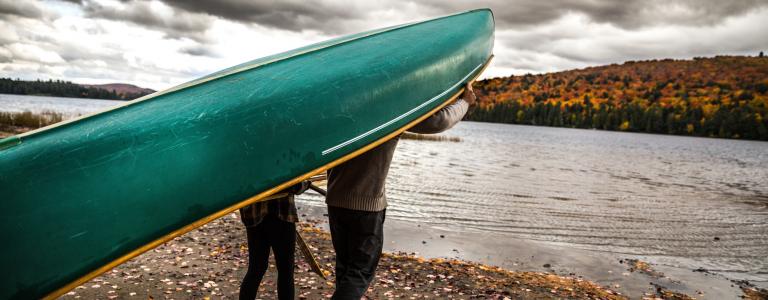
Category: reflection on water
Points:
column 665, row 197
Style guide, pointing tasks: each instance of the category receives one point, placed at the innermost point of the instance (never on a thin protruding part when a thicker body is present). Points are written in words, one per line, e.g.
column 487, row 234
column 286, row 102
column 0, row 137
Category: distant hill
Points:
column 122, row 88
column 59, row 88
column 724, row 96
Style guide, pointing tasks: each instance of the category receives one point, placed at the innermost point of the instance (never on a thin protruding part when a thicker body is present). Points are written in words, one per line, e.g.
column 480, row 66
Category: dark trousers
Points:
column 281, row 237
column 357, row 237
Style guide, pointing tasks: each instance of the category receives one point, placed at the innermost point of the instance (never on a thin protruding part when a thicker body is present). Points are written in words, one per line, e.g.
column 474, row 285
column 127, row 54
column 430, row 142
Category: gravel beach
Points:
column 209, row 262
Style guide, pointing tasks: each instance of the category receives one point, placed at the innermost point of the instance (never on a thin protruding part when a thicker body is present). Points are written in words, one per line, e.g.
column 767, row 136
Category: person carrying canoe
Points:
column 271, row 224
column 357, row 203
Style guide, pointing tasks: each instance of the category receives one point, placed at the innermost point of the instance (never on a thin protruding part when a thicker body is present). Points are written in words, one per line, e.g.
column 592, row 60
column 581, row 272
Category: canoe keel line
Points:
column 373, row 103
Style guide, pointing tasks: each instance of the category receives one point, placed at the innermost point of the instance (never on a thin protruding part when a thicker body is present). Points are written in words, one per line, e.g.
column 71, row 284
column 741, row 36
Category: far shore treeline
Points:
column 724, row 97
column 59, row 88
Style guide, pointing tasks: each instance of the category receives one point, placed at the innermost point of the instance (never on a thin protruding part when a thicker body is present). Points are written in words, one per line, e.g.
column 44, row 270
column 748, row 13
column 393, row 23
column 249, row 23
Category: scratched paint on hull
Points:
column 99, row 187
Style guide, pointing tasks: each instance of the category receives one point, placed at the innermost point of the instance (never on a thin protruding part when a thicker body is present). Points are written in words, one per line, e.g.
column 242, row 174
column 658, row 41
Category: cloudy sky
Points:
column 158, row 44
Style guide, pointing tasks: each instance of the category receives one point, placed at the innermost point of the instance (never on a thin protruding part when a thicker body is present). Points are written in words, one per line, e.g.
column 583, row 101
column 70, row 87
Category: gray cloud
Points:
column 5, row 55
column 627, row 14
column 180, row 24
column 294, row 15
column 532, row 35
column 198, row 50
column 332, row 16
column 21, row 9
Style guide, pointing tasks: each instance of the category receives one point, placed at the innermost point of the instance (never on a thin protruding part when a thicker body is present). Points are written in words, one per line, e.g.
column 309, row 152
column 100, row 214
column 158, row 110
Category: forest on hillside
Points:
column 724, row 96
column 59, row 88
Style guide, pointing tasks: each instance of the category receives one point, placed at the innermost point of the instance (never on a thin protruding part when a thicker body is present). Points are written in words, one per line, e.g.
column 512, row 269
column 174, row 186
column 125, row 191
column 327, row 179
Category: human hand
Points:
column 299, row 188
column 469, row 94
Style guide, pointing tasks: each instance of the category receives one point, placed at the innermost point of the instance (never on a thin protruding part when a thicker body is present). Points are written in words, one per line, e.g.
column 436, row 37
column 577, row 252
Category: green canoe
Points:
column 81, row 197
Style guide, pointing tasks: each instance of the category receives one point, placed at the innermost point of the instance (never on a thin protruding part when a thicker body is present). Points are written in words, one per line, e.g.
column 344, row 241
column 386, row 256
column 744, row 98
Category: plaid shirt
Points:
column 283, row 208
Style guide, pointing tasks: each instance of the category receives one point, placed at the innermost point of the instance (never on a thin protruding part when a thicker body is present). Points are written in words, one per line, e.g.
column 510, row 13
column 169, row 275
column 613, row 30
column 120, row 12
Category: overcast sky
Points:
column 159, row 44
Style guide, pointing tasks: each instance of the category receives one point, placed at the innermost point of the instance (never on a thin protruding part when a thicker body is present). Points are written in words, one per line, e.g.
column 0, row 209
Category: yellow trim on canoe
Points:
column 263, row 196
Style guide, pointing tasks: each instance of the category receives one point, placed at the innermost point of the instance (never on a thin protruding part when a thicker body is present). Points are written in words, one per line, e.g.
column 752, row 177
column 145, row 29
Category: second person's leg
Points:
column 258, row 261
column 283, row 239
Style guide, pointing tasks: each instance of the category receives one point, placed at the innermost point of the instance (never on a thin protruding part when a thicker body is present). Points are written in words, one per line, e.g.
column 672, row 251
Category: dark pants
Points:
column 281, row 237
column 357, row 237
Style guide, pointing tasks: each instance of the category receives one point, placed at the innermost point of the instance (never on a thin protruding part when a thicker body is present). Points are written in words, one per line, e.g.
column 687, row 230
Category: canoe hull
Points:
column 101, row 187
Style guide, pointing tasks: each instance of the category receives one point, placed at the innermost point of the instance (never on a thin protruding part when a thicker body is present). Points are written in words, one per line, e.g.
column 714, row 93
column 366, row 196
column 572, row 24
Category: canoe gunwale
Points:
column 265, row 195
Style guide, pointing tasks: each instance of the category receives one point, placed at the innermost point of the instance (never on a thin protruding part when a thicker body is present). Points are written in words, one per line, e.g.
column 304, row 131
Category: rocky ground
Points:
column 209, row 263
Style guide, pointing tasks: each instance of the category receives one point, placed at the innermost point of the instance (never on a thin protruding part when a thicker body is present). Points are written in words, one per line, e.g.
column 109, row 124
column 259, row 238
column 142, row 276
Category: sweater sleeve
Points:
column 443, row 119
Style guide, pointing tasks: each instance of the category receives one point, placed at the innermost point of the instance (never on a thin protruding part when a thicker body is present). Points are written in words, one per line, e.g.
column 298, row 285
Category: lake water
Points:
column 664, row 198
column 678, row 201
column 70, row 107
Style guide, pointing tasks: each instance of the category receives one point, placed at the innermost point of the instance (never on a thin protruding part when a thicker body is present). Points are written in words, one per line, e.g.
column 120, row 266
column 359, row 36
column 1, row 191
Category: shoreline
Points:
column 411, row 136
column 623, row 273
column 210, row 261
column 9, row 130
column 616, row 271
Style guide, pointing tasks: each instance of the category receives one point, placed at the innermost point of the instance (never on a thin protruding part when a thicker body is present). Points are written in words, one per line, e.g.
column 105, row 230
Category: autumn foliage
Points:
column 724, row 96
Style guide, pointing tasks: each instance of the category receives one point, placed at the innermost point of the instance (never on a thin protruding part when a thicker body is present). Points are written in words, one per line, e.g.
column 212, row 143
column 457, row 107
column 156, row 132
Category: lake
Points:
column 70, row 107
column 677, row 201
